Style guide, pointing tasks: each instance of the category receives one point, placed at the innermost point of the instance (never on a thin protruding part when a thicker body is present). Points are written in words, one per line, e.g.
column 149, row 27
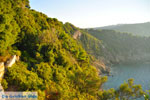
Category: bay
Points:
column 122, row 72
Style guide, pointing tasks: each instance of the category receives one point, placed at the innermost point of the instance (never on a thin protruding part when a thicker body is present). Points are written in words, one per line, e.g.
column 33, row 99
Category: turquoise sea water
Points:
column 120, row 73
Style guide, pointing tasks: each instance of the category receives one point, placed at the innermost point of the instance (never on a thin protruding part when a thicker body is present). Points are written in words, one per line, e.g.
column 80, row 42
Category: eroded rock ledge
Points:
column 5, row 65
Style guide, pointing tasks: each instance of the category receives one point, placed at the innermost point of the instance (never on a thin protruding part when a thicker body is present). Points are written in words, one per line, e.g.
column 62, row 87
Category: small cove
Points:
column 122, row 72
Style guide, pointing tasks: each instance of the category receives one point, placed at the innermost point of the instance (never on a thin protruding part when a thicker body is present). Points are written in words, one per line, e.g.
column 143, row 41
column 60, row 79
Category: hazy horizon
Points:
column 96, row 13
column 118, row 24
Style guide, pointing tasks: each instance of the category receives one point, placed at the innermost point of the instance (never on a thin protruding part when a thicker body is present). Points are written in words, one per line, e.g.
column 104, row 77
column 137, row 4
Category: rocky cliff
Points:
column 77, row 34
column 3, row 67
column 2, row 70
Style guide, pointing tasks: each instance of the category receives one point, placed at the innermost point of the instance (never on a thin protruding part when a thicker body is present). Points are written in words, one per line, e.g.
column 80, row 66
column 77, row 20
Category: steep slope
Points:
column 52, row 62
column 140, row 29
column 92, row 45
column 112, row 46
column 122, row 47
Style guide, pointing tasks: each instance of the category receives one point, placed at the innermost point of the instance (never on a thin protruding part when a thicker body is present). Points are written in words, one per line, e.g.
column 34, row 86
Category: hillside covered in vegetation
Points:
column 113, row 47
column 139, row 29
column 52, row 62
column 121, row 47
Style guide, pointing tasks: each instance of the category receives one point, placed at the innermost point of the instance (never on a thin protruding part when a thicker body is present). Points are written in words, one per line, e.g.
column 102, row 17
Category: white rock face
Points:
column 12, row 60
column 2, row 70
column 9, row 63
column 77, row 34
column 1, row 64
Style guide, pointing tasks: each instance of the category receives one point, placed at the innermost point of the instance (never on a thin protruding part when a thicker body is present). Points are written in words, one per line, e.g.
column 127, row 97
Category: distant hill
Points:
column 119, row 47
column 141, row 29
column 111, row 46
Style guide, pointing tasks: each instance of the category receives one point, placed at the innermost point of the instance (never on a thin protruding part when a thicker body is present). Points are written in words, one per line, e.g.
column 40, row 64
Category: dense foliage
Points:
column 122, row 47
column 91, row 44
column 52, row 62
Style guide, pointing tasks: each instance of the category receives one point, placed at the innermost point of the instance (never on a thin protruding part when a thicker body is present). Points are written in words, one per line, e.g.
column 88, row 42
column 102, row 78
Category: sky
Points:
column 95, row 13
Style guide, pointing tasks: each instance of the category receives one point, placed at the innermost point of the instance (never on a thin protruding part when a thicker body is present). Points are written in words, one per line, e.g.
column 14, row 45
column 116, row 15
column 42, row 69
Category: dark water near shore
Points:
column 120, row 73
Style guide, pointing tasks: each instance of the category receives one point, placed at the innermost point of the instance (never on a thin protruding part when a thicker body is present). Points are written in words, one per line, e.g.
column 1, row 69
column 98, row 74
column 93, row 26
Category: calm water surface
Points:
column 121, row 73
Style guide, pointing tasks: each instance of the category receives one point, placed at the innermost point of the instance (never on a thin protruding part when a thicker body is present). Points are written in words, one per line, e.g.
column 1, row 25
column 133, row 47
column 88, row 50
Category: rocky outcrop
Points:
column 11, row 61
column 101, row 67
column 2, row 70
column 77, row 34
